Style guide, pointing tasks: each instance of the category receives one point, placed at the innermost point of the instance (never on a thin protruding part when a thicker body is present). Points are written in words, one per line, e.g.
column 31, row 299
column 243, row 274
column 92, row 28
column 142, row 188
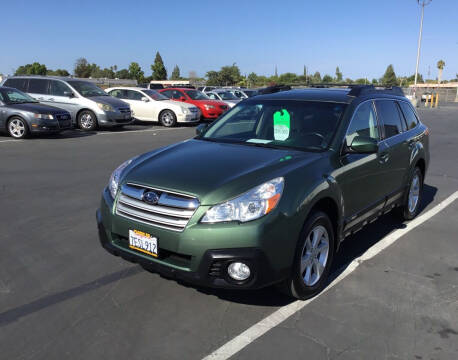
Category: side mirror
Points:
column 145, row 99
column 200, row 129
column 182, row 98
column 68, row 94
column 364, row 145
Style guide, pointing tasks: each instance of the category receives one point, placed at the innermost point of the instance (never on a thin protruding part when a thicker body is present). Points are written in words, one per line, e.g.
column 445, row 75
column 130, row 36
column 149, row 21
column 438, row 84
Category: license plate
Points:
column 140, row 241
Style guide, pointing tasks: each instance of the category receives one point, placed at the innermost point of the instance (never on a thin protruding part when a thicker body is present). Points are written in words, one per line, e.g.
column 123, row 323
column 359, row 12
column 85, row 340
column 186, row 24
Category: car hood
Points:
column 213, row 172
column 211, row 102
column 176, row 104
column 109, row 100
column 37, row 108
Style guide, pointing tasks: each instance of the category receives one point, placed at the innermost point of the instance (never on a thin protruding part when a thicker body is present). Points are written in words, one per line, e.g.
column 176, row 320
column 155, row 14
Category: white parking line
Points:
column 257, row 330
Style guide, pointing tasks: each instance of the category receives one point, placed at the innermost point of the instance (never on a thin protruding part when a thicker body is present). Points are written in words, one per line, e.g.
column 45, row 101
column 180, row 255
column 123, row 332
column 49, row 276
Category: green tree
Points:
column 361, row 81
column 136, row 72
column 82, row 68
column 212, row 78
column 252, row 79
column 58, row 72
column 229, row 75
column 389, row 78
column 122, row 74
column 374, row 81
column 175, row 73
column 316, row 78
column 287, row 78
column 339, row 75
column 327, row 79
column 32, row 69
column 440, row 66
column 158, row 68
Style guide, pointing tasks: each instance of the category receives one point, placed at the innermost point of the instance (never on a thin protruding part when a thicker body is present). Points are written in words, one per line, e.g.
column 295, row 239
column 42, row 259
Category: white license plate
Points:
column 140, row 241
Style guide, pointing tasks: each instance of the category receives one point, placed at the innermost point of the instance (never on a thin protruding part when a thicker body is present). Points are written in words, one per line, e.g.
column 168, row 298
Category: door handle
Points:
column 384, row 156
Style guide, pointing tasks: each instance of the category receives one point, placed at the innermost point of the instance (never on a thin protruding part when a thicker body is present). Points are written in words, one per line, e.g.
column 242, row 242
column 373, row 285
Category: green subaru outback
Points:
column 265, row 194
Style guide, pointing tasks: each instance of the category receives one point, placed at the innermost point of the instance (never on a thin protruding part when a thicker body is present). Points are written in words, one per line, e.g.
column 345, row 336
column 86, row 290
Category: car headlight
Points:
column 251, row 205
column 113, row 184
column 208, row 107
column 43, row 116
column 105, row 107
column 185, row 110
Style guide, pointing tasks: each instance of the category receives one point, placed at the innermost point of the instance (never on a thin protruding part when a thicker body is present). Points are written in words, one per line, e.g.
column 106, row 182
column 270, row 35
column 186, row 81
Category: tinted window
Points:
column 58, row 88
column 121, row 94
column 389, row 115
column 167, row 93
column 409, row 115
column 364, row 123
column 20, row 84
column 177, row 94
column 38, row 86
column 212, row 96
column 134, row 95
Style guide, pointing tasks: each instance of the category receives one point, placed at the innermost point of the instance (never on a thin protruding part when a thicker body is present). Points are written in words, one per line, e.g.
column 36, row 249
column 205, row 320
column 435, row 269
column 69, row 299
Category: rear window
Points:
column 409, row 115
column 389, row 114
column 20, row 84
column 38, row 86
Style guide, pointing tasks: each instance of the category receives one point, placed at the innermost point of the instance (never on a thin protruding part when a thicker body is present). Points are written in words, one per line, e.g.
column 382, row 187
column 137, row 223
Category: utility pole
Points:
column 422, row 3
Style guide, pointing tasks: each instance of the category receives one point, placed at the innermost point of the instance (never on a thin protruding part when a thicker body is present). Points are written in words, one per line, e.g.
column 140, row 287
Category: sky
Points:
column 362, row 37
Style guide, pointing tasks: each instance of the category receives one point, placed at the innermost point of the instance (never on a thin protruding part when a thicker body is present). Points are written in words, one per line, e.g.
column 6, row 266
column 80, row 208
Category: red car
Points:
column 210, row 109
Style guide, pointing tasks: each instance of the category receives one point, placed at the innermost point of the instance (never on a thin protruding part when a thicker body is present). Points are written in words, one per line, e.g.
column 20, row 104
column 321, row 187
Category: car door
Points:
column 398, row 154
column 360, row 175
column 3, row 113
column 38, row 89
column 62, row 96
column 142, row 109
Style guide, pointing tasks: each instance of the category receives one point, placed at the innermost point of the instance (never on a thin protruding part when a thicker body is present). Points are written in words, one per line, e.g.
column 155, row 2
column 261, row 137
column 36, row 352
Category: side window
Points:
column 118, row 93
column 134, row 95
column 167, row 93
column 409, row 115
column 20, row 84
column 177, row 95
column 58, row 88
column 364, row 123
column 389, row 116
column 212, row 96
column 38, row 86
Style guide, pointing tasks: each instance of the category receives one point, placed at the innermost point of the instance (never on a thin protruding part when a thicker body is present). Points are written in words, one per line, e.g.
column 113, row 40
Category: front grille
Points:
column 223, row 107
column 194, row 110
column 172, row 211
column 62, row 117
column 124, row 110
column 215, row 268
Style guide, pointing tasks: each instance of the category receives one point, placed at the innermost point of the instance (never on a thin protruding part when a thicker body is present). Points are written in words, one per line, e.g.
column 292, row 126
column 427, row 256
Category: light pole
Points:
column 422, row 3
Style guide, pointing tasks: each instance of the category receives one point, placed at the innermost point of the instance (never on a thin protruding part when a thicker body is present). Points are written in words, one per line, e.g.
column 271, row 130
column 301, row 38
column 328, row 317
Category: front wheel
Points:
column 412, row 197
column 313, row 258
column 17, row 128
column 168, row 118
column 87, row 120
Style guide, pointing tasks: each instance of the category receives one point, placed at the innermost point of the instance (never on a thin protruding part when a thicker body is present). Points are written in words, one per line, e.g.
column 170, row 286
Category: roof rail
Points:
column 359, row 90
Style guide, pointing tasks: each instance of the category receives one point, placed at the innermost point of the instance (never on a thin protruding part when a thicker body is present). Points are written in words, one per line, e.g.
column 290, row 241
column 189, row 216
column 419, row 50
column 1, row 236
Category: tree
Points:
column 339, row 75
column 123, row 74
column 374, row 81
column 229, row 75
column 58, row 72
column 212, row 78
column 389, row 78
column 136, row 72
column 440, row 66
column 175, row 73
column 327, row 79
column 252, row 79
column 316, row 78
column 31, row 69
column 82, row 68
column 287, row 78
column 158, row 68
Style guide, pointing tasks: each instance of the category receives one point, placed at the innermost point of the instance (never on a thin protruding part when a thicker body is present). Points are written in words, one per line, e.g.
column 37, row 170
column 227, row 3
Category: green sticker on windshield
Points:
column 281, row 124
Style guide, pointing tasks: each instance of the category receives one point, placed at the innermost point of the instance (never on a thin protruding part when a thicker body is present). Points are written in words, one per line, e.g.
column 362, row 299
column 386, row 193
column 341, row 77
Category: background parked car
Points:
column 150, row 105
column 88, row 105
column 210, row 109
column 21, row 115
column 224, row 95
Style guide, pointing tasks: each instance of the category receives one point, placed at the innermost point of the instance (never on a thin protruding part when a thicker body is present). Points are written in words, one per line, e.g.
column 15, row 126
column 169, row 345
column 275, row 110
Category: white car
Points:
column 150, row 105
column 223, row 95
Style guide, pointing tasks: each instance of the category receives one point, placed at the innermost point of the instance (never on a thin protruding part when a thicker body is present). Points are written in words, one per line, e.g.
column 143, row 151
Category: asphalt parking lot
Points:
column 63, row 296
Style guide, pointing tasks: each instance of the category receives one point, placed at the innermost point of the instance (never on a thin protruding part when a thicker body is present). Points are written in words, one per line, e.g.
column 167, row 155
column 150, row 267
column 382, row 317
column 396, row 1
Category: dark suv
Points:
column 266, row 194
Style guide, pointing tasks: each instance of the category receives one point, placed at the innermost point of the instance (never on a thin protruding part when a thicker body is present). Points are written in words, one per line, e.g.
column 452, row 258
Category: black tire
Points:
column 167, row 118
column 87, row 121
column 405, row 211
column 17, row 128
column 295, row 286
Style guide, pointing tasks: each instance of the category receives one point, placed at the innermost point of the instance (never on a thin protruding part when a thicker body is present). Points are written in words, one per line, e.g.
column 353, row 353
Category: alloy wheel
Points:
column 87, row 121
column 314, row 255
column 17, row 128
column 414, row 193
column 167, row 118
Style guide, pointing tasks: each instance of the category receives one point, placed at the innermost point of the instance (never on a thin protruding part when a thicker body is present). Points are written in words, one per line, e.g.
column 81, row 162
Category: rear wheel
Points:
column 313, row 258
column 412, row 198
column 87, row 120
column 168, row 118
column 17, row 128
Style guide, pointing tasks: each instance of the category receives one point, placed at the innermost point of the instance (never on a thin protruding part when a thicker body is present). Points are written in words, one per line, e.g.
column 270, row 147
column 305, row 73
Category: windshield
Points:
column 196, row 95
column 249, row 93
column 153, row 94
column 13, row 96
column 302, row 125
column 226, row 95
column 87, row 89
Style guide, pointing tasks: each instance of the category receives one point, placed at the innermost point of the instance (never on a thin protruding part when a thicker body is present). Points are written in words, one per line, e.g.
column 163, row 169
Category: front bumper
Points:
column 49, row 126
column 196, row 260
column 188, row 118
column 114, row 118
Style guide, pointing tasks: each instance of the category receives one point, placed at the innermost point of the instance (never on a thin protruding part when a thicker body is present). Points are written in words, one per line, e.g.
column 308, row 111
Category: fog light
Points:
column 238, row 271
